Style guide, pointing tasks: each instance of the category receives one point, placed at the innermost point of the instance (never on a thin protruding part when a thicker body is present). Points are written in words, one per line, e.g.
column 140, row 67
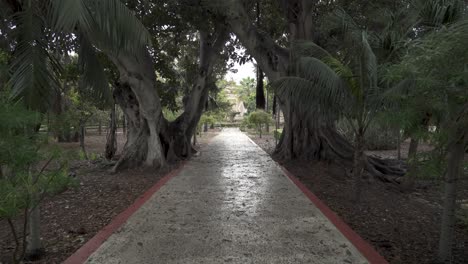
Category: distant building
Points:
column 237, row 105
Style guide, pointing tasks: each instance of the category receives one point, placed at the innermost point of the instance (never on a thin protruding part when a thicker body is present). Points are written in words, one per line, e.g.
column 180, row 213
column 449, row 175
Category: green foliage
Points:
column 28, row 172
column 379, row 136
column 106, row 25
column 207, row 119
column 79, row 109
column 259, row 119
column 246, row 124
column 278, row 133
column 435, row 68
column 246, row 93
column 170, row 115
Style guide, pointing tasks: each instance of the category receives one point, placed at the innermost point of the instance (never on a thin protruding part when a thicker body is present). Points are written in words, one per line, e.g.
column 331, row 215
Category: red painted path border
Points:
column 359, row 243
column 95, row 242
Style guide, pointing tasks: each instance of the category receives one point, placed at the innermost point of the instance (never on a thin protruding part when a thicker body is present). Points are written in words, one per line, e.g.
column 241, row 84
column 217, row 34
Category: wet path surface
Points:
column 232, row 204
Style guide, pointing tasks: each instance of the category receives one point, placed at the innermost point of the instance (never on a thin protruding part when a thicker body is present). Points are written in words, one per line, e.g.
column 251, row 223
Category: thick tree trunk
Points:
column 111, row 139
column 136, row 150
column 138, row 98
column 454, row 172
column 177, row 135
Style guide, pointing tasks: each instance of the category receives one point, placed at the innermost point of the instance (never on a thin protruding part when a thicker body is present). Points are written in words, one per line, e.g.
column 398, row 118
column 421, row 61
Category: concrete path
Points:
column 232, row 204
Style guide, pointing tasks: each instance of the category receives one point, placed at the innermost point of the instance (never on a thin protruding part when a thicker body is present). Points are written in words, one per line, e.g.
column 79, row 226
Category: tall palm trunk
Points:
column 455, row 162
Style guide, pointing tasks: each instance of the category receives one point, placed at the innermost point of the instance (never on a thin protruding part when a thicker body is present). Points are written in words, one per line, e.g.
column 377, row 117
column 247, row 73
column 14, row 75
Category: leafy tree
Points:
column 437, row 66
column 246, row 91
column 344, row 86
column 259, row 119
column 28, row 174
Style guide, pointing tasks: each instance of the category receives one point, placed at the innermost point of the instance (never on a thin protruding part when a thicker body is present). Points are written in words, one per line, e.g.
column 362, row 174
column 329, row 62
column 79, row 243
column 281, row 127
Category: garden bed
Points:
column 71, row 218
column 402, row 227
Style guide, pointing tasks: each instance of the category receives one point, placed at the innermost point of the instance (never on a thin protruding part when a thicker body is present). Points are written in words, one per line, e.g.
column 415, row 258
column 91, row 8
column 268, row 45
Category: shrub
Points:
column 277, row 133
column 258, row 119
column 25, row 175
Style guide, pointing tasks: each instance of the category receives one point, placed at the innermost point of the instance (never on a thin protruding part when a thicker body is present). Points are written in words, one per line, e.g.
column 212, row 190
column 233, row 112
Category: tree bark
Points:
column 34, row 249
column 274, row 105
column 82, row 139
column 138, row 98
column 260, row 93
column 454, row 172
column 124, row 125
column 111, row 139
column 194, row 139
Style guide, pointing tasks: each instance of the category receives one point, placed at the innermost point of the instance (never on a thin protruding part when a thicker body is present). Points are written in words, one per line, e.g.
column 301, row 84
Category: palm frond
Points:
column 65, row 15
column 112, row 26
column 34, row 71
column 93, row 80
column 435, row 13
column 107, row 23
column 316, row 89
column 369, row 66
column 308, row 49
column 328, row 86
column 304, row 97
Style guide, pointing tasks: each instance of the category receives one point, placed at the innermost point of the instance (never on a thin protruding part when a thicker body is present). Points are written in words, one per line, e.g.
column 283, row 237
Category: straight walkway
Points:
column 232, row 204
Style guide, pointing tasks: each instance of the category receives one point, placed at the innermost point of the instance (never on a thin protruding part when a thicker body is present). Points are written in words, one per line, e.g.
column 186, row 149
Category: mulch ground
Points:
column 71, row 218
column 402, row 227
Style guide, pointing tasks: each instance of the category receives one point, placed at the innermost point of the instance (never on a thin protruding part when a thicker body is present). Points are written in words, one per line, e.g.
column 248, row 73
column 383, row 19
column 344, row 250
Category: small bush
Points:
column 277, row 133
column 258, row 119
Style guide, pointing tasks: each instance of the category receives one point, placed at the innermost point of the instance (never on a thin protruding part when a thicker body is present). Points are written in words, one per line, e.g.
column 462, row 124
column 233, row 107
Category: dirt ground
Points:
column 71, row 218
column 403, row 227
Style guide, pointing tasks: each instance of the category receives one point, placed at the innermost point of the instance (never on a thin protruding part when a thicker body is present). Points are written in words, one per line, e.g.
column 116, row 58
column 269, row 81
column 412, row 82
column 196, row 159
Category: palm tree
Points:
column 82, row 26
column 86, row 27
column 344, row 85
